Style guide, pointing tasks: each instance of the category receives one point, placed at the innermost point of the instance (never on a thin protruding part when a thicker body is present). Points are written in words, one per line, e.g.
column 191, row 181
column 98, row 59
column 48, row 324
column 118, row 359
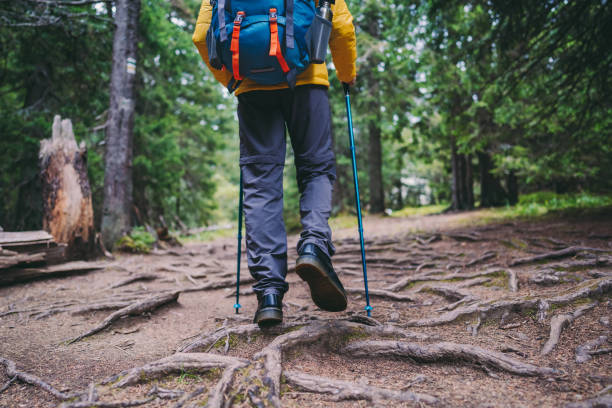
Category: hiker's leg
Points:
column 262, row 157
column 309, row 122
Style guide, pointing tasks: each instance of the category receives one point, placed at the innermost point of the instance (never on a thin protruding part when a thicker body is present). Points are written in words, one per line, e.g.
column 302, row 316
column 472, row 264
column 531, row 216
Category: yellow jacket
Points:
column 342, row 44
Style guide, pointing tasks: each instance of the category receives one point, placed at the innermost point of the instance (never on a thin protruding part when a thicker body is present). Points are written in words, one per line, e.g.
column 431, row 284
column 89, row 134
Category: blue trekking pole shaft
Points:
column 237, row 305
column 349, row 117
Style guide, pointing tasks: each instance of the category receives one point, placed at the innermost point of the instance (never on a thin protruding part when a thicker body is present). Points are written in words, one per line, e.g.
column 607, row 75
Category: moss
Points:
column 213, row 373
column 233, row 341
column 582, row 301
column 531, row 312
column 128, row 244
column 451, row 280
column 411, row 285
column 186, row 377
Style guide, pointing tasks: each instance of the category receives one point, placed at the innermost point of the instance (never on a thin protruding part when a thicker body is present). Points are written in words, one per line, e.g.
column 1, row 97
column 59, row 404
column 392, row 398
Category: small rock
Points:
column 605, row 321
column 394, row 317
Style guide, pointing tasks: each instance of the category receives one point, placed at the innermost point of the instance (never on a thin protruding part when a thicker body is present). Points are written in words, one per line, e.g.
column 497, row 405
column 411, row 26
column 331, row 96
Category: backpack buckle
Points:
column 273, row 14
column 239, row 18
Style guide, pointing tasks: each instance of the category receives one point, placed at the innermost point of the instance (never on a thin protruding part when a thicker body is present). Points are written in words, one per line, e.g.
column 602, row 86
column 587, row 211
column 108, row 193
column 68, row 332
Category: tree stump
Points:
column 67, row 207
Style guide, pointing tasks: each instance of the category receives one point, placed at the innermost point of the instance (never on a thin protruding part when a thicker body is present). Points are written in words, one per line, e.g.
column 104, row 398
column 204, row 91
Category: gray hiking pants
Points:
column 262, row 116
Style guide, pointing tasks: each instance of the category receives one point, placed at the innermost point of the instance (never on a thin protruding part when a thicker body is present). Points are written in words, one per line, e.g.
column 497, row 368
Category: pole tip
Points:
column 237, row 306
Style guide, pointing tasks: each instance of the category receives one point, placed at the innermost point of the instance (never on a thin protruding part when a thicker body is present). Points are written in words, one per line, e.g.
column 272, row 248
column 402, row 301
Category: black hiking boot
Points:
column 326, row 291
column 269, row 311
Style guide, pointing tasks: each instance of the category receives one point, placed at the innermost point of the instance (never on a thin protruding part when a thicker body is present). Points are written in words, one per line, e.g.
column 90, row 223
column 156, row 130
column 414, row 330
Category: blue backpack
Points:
column 263, row 40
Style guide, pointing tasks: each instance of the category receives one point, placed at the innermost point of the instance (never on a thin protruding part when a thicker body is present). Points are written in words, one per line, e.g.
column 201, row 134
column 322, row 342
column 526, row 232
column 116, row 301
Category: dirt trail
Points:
column 453, row 324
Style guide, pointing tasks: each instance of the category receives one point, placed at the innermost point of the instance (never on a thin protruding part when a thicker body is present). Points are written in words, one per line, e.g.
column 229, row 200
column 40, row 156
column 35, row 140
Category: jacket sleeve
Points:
column 199, row 39
column 342, row 42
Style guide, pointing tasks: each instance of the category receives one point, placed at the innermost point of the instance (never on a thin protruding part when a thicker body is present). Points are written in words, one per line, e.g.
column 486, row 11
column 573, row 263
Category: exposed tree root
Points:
column 490, row 309
column 447, row 351
column 562, row 253
column 558, row 323
column 330, row 330
column 585, row 351
column 102, row 404
column 603, row 401
column 425, row 278
column 180, row 403
column 176, row 363
column 14, row 374
column 112, row 304
column 164, row 393
column 206, row 341
column 448, row 292
column 469, row 236
column 344, row 390
column 220, row 284
column 135, row 278
column 485, row 257
column 512, row 281
column 135, row 308
column 381, row 293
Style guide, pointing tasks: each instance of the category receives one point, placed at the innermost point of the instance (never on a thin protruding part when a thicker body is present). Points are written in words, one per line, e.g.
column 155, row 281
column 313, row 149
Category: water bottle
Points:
column 319, row 32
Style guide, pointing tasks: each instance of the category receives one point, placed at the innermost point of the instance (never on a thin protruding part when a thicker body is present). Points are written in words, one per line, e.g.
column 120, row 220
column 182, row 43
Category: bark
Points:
column 492, row 194
column 377, row 199
column 462, row 186
column 119, row 133
column 67, row 206
column 512, row 187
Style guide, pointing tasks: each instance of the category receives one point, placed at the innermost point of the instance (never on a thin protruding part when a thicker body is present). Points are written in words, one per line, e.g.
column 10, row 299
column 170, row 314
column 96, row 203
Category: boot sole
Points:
column 268, row 317
column 323, row 291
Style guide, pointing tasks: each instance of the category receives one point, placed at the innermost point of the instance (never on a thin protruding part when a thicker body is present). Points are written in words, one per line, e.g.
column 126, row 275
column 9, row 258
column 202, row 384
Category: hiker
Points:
column 300, row 102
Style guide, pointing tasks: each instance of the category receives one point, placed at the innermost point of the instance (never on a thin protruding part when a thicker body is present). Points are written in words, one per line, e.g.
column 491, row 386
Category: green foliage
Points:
column 525, row 83
column 424, row 210
column 137, row 241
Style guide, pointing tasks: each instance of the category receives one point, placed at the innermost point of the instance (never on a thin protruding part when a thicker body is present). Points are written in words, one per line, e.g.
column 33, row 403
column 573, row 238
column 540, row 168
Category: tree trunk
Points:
column 492, row 194
column 462, row 186
column 67, row 208
column 119, row 132
column 469, row 182
column 512, row 186
column 377, row 198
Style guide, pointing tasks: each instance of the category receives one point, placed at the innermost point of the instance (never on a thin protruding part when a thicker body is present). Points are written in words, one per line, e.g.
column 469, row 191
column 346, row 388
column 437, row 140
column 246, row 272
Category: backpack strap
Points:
column 232, row 85
column 275, row 47
column 235, row 45
column 289, row 38
column 221, row 18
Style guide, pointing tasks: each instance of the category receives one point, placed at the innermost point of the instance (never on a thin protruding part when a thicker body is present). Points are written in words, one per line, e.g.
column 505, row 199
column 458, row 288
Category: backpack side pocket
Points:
column 213, row 54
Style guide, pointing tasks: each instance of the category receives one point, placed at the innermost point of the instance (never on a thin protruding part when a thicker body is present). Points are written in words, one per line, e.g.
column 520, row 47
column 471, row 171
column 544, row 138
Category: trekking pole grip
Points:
column 346, row 88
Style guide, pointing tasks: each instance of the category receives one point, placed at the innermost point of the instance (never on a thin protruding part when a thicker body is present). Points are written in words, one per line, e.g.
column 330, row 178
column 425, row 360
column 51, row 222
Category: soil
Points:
column 396, row 248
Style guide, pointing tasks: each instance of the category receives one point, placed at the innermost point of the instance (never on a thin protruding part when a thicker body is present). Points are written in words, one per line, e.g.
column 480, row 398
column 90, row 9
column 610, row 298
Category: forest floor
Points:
column 466, row 314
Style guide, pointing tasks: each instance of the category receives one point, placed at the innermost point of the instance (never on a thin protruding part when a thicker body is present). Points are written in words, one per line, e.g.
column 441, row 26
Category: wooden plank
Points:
column 15, row 275
column 8, row 239
column 21, row 259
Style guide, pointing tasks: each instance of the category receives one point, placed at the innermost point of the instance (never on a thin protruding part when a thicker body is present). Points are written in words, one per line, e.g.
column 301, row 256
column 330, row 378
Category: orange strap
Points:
column 235, row 46
column 275, row 49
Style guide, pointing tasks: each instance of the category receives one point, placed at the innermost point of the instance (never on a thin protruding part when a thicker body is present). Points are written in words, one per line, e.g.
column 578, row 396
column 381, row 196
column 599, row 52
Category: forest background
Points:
column 457, row 103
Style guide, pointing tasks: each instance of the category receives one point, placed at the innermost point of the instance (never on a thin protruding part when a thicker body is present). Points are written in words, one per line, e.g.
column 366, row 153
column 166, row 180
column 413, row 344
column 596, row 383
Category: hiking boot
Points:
column 326, row 291
column 269, row 310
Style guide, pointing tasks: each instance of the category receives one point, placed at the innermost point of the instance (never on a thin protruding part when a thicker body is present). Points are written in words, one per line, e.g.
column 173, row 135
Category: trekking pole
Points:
column 349, row 117
column 237, row 305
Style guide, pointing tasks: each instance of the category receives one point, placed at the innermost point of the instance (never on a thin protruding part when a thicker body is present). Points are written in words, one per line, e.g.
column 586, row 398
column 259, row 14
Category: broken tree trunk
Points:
column 67, row 208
